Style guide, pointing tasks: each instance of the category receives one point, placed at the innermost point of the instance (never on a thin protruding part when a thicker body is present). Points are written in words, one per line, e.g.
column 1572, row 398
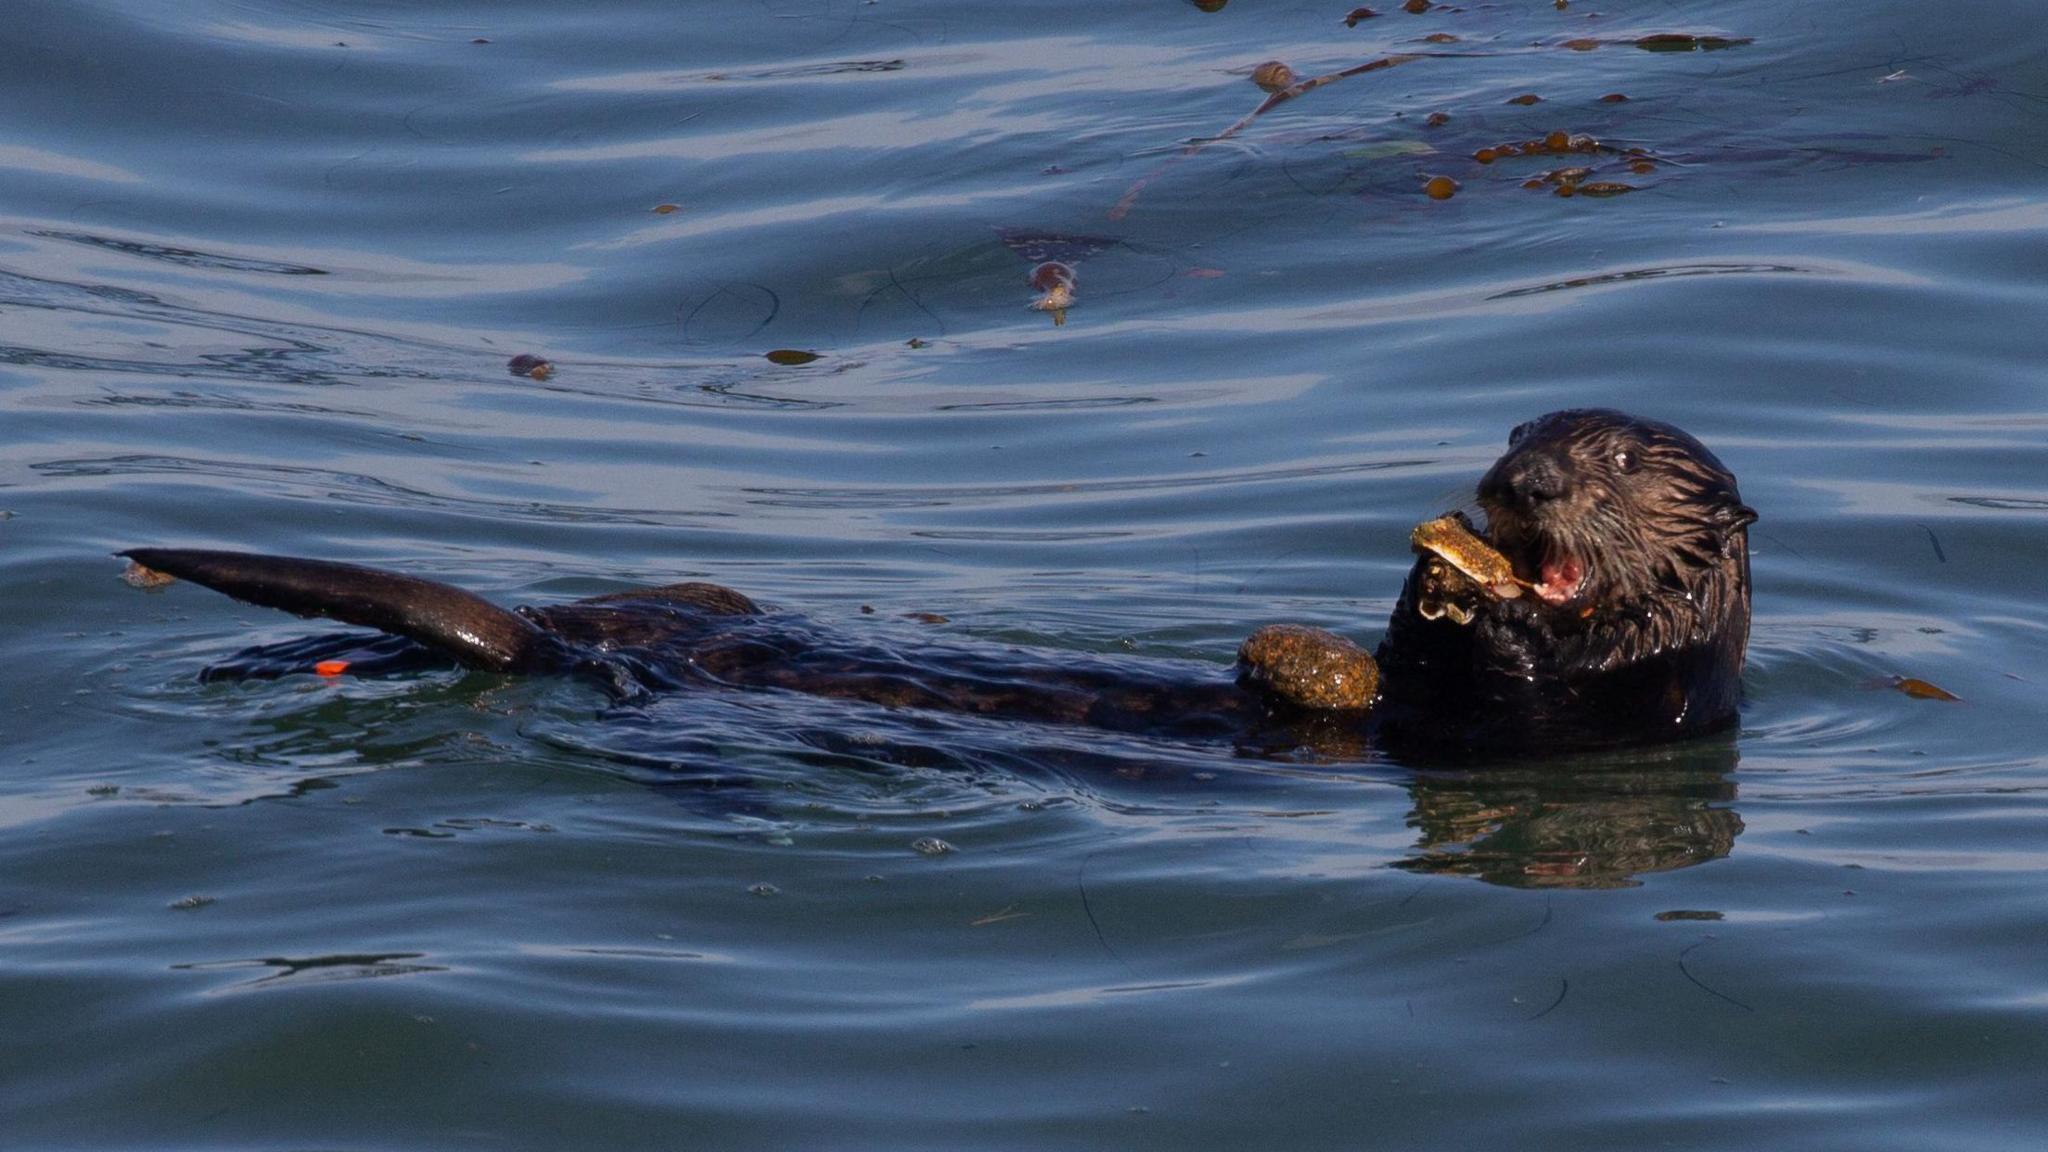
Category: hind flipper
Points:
column 474, row 631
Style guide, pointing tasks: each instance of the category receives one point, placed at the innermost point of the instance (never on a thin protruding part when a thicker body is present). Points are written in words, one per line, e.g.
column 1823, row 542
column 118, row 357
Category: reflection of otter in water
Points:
column 1601, row 825
column 1628, row 532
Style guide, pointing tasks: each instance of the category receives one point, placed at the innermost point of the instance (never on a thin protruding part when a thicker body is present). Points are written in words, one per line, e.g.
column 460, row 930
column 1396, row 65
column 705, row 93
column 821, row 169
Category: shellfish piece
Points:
column 1451, row 539
column 1444, row 591
column 1310, row 667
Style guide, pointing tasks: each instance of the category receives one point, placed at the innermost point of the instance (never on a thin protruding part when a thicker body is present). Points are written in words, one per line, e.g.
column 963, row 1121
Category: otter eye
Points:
column 1515, row 437
column 1625, row 461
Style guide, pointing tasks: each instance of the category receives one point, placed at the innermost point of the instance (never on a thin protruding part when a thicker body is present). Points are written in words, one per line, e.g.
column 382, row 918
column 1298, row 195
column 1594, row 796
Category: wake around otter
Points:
column 1624, row 619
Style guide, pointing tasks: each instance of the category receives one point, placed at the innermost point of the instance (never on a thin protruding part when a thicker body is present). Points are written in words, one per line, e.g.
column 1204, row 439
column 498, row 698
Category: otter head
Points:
column 1596, row 508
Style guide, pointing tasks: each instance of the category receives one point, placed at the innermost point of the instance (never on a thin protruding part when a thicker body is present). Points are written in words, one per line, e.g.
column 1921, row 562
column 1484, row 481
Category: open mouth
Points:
column 1555, row 573
column 1563, row 574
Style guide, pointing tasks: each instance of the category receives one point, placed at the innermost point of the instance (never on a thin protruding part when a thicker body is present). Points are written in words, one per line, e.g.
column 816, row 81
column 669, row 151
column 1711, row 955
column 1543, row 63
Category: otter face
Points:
column 1597, row 508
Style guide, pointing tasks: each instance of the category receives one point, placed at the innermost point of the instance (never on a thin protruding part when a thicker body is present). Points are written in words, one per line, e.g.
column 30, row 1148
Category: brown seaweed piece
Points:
column 1274, row 75
column 1310, row 667
column 1056, row 281
column 1687, row 42
column 1557, row 143
column 1124, row 204
column 137, row 576
column 1920, row 689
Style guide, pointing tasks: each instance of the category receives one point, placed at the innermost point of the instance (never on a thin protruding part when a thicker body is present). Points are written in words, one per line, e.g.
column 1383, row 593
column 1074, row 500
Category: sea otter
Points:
column 1634, row 543
column 1629, row 536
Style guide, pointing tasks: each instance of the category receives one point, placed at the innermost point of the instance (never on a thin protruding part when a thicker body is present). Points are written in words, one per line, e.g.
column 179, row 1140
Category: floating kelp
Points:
column 1572, row 180
column 1129, row 199
column 136, row 576
column 1065, row 247
column 1273, row 76
column 1282, row 83
column 1659, row 42
column 1687, row 42
column 1056, row 281
column 1557, row 143
column 807, row 71
column 531, row 366
column 1922, row 690
column 1055, row 259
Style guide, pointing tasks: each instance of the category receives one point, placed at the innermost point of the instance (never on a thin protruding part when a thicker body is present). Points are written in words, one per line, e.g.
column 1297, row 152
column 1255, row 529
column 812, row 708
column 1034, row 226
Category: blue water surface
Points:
column 263, row 264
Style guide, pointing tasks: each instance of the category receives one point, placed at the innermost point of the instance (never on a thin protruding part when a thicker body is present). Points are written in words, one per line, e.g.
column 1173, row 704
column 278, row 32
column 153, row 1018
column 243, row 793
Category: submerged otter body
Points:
column 1630, row 534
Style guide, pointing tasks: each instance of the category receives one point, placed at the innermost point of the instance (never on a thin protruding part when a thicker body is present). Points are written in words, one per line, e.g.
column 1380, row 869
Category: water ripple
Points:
column 307, row 483
column 936, row 496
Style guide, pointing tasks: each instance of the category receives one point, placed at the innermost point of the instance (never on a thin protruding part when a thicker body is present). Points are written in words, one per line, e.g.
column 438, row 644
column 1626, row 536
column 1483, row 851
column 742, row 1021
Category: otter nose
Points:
column 1527, row 480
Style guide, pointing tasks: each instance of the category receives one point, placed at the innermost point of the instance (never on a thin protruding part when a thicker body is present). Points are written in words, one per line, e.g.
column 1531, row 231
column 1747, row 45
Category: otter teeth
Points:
column 1562, row 575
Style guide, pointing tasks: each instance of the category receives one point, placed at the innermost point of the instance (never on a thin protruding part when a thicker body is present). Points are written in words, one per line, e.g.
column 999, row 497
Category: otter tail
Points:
column 474, row 631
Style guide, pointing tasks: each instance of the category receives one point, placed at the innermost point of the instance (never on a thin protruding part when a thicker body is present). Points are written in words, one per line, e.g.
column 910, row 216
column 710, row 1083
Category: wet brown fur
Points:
column 1651, row 647
column 1652, row 644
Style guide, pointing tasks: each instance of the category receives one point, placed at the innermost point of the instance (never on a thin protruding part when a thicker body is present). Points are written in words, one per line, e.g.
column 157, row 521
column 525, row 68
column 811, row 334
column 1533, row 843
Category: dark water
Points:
column 262, row 266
